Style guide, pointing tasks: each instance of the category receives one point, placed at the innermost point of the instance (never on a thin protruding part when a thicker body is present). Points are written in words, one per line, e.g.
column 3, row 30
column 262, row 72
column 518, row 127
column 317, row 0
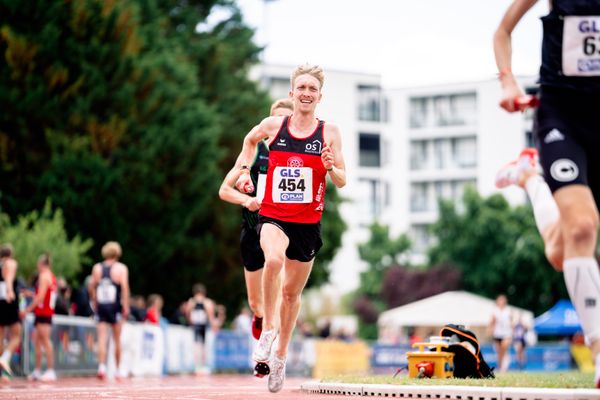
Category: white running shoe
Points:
column 262, row 351
column 509, row 174
column 277, row 375
column 48, row 376
column 35, row 375
column 5, row 366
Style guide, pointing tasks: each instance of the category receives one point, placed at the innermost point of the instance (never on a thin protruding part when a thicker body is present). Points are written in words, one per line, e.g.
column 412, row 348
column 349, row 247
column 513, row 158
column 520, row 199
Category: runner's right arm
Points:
column 229, row 194
column 268, row 128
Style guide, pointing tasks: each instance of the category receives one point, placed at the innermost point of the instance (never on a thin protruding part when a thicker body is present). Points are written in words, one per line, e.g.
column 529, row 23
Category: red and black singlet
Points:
column 295, row 187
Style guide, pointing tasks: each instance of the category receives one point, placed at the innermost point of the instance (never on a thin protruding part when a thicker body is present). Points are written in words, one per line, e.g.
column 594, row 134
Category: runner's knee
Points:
column 582, row 229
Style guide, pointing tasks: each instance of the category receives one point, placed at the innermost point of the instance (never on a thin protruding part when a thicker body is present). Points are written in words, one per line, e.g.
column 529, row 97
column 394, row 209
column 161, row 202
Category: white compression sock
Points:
column 582, row 278
column 545, row 210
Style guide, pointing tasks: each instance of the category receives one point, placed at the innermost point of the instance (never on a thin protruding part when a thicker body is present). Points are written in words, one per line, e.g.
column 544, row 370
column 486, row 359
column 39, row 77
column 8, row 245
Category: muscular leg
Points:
column 44, row 331
column 296, row 276
column 274, row 243
column 14, row 337
column 102, row 331
column 116, row 331
column 38, row 347
column 254, row 290
column 579, row 227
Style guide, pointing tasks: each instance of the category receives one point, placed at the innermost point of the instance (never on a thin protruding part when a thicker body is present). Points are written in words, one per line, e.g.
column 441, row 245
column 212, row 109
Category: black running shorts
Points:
column 253, row 258
column 9, row 312
column 567, row 135
column 109, row 313
column 305, row 239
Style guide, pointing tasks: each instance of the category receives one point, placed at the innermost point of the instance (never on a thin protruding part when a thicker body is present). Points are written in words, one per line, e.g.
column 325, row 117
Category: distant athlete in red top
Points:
column 42, row 307
column 303, row 151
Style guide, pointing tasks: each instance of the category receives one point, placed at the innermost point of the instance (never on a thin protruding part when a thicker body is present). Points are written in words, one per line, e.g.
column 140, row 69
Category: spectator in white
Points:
column 243, row 323
column 502, row 330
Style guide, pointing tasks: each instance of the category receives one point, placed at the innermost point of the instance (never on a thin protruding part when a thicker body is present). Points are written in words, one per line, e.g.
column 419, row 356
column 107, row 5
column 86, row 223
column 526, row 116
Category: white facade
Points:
column 449, row 136
column 404, row 148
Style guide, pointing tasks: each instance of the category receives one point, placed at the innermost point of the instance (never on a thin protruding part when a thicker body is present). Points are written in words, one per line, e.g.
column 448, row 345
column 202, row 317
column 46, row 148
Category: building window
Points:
column 278, row 87
column 444, row 110
column 369, row 147
column 418, row 154
column 419, row 197
column 371, row 198
column 369, row 103
column 464, row 152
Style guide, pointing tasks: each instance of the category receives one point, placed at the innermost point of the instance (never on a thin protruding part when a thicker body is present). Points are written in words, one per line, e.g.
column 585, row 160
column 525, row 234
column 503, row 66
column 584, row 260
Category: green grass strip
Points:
column 564, row 380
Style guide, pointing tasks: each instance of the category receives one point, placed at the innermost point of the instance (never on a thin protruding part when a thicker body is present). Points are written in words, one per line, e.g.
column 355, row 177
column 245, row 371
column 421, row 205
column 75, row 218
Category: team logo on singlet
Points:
column 313, row 147
column 564, row 170
column 295, row 162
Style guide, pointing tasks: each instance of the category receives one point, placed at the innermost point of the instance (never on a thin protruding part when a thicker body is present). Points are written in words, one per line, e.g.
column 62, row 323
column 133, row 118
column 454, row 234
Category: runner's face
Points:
column 306, row 93
column 281, row 112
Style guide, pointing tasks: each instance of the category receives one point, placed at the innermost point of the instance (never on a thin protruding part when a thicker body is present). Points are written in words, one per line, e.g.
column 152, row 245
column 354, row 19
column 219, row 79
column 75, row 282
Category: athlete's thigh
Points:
column 273, row 240
column 575, row 201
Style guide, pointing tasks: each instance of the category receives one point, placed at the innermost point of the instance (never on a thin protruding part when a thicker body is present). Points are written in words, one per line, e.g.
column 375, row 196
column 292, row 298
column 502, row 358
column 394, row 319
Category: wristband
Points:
column 245, row 169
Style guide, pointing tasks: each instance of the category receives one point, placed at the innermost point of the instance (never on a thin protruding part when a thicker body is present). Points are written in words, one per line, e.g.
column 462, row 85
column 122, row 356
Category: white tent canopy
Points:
column 458, row 307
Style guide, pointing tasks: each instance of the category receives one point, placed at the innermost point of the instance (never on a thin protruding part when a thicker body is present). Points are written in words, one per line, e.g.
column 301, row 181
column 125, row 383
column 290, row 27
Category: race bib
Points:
column 106, row 293
column 198, row 317
column 581, row 46
column 261, row 186
column 3, row 291
column 292, row 185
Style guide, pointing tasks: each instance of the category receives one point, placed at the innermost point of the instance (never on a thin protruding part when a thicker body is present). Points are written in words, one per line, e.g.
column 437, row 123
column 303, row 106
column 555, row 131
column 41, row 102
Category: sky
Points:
column 408, row 42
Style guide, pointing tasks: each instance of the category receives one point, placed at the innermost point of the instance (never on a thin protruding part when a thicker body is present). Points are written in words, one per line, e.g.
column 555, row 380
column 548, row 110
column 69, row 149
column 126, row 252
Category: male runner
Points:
column 109, row 292
column 252, row 255
column 9, row 307
column 201, row 316
column 565, row 205
column 303, row 151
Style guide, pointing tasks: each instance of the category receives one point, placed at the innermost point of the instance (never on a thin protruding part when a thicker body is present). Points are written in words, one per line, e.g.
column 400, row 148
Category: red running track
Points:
column 171, row 388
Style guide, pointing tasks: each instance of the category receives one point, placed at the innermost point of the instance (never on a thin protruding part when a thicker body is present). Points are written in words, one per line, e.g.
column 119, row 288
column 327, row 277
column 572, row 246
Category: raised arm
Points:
column 511, row 90
column 332, row 156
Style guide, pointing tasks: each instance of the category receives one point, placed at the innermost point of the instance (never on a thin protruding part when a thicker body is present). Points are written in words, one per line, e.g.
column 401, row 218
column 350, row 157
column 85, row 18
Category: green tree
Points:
column 44, row 231
column 498, row 250
column 380, row 252
column 332, row 229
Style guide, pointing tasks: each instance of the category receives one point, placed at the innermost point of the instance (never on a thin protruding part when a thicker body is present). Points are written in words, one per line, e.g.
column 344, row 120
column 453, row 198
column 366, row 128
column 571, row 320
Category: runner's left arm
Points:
column 332, row 156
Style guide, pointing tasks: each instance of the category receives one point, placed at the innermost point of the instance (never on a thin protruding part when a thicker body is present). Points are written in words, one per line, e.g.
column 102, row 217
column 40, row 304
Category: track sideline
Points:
column 449, row 392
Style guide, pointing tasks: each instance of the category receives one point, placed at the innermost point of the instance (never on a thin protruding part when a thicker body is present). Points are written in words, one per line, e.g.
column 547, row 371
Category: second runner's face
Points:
column 306, row 93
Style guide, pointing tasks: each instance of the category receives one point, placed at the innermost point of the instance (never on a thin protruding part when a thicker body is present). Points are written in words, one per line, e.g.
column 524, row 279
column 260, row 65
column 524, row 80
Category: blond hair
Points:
column 282, row 103
column 111, row 250
column 313, row 70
